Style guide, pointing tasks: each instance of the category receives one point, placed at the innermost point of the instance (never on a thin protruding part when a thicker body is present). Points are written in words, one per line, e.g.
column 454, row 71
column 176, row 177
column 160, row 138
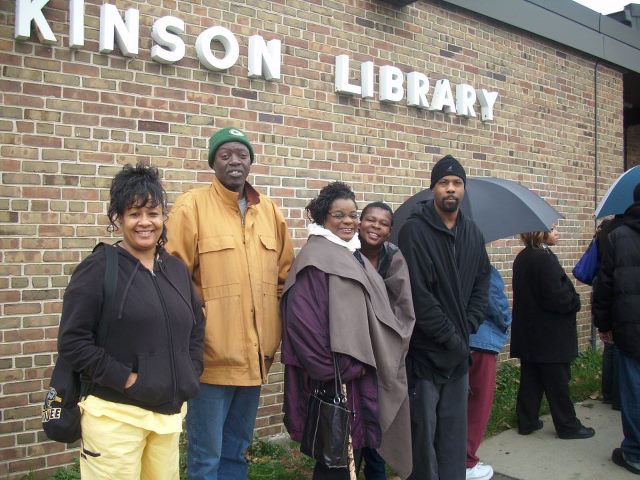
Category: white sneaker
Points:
column 480, row 472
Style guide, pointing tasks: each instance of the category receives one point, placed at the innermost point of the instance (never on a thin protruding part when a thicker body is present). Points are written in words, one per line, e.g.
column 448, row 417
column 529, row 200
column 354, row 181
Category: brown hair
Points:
column 534, row 239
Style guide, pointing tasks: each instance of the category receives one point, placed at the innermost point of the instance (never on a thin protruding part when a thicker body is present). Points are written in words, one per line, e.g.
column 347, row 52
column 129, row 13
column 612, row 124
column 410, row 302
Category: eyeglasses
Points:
column 341, row 215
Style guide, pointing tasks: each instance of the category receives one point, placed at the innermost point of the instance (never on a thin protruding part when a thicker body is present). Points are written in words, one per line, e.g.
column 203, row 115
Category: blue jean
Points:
column 629, row 377
column 220, row 423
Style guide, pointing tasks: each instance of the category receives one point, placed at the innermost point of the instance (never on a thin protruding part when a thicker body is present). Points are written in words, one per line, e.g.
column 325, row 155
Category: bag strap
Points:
column 337, row 379
column 109, row 287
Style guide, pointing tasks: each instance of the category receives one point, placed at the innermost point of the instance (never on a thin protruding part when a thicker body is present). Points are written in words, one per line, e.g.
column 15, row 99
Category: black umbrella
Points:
column 501, row 208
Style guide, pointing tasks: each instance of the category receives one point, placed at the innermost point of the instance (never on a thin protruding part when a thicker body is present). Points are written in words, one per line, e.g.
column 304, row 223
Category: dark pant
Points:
column 610, row 388
column 373, row 465
column 439, row 429
column 552, row 379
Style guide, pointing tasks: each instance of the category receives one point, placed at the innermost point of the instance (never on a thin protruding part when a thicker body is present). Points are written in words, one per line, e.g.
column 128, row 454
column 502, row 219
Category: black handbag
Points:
column 326, row 430
column 60, row 411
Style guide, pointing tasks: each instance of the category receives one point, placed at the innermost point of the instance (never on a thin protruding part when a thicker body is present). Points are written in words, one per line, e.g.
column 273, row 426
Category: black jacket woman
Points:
column 544, row 336
column 151, row 360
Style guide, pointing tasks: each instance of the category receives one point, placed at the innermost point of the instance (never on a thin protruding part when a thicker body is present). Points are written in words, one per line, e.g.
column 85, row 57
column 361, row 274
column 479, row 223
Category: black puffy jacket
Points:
column 616, row 293
column 158, row 331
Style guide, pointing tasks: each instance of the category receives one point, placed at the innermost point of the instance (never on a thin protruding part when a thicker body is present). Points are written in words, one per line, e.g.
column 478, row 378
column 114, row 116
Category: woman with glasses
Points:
column 334, row 302
column 544, row 336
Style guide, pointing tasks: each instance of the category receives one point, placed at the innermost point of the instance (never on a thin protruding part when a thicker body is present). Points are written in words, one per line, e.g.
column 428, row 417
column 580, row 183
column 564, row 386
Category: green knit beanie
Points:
column 229, row 134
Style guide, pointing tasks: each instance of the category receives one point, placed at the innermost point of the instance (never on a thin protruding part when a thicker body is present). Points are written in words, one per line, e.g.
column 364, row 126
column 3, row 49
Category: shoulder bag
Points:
column 60, row 411
column 326, row 431
column 587, row 267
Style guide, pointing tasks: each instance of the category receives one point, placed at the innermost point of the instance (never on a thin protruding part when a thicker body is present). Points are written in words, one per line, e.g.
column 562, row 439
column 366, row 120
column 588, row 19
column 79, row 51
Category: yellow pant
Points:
column 114, row 450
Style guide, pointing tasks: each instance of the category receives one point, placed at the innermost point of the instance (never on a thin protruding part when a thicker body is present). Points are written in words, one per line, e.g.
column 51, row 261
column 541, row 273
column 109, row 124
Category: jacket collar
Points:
column 230, row 197
column 429, row 215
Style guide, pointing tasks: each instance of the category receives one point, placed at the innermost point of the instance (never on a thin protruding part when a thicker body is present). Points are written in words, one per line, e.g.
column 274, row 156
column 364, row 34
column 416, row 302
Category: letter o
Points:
column 228, row 42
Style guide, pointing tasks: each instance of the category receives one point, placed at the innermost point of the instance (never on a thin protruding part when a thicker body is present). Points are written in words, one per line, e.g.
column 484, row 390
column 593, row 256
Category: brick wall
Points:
column 70, row 118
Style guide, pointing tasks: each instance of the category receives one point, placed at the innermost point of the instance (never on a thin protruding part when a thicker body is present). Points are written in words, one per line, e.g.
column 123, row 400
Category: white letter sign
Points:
column 391, row 79
column 264, row 56
column 170, row 47
column 417, row 89
column 26, row 11
column 487, row 99
column 442, row 97
column 228, row 42
column 465, row 98
column 125, row 32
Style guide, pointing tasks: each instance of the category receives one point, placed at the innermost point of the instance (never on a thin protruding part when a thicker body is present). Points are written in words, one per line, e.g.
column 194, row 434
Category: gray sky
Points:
column 606, row 6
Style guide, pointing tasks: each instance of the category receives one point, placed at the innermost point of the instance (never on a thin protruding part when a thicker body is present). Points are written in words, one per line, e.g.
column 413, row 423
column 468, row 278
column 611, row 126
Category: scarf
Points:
column 352, row 245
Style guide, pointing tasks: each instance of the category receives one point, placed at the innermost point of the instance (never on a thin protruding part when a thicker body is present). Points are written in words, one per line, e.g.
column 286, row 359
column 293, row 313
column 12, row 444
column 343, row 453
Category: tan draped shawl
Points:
column 366, row 328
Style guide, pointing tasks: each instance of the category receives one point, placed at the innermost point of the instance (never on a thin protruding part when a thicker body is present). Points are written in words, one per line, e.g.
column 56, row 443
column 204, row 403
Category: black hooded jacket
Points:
column 158, row 331
column 449, row 271
column 616, row 294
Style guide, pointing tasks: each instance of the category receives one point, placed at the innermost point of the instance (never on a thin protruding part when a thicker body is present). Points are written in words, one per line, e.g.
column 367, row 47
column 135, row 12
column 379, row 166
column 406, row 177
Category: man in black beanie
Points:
column 449, row 271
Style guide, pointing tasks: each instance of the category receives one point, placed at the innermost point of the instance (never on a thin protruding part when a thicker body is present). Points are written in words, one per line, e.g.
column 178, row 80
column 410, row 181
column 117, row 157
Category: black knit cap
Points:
column 447, row 165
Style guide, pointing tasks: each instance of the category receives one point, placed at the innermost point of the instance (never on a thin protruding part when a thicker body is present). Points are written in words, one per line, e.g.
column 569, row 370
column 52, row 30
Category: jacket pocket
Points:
column 269, row 259
column 154, row 385
column 446, row 358
column 188, row 380
column 226, row 334
column 218, row 261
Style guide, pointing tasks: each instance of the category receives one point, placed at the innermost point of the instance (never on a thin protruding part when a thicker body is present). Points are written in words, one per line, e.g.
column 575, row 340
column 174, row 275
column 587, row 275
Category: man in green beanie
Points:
column 237, row 247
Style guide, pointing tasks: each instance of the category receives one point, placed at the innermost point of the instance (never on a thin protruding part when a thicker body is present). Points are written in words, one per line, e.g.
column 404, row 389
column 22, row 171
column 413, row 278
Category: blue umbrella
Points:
column 620, row 194
column 501, row 208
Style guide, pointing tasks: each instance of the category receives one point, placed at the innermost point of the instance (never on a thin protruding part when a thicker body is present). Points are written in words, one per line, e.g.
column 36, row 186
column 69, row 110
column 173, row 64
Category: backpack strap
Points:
column 109, row 286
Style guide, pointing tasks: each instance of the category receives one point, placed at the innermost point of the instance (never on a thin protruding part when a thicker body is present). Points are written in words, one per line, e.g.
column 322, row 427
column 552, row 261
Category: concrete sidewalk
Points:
column 542, row 455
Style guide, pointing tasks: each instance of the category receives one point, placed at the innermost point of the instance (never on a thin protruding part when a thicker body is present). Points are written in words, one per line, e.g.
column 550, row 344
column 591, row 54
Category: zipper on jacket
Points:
column 170, row 334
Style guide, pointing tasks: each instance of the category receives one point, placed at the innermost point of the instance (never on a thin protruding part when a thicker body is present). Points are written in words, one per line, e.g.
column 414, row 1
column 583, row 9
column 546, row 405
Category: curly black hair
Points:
column 380, row 205
column 136, row 186
column 318, row 208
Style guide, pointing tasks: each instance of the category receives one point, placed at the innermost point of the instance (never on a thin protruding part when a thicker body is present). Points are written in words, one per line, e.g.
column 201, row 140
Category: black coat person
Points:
column 449, row 271
column 616, row 313
column 544, row 336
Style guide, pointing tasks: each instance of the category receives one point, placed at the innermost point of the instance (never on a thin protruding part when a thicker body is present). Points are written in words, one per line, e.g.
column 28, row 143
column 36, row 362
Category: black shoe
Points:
column 618, row 459
column 529, row 431
column 582, row 432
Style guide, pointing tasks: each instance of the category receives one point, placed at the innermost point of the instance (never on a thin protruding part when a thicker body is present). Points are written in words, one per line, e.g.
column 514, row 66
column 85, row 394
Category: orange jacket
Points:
column 240, row 269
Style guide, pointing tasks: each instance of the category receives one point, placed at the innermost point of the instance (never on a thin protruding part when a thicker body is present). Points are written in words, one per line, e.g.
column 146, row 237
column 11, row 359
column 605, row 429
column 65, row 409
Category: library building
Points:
column 540, row 93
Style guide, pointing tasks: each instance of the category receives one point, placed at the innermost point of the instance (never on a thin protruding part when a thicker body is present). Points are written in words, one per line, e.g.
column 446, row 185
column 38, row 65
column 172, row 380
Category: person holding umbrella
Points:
column 544, row 336
column 616, row 307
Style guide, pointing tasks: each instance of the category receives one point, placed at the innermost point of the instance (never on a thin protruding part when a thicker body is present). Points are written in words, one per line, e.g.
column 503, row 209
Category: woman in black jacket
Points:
column 544, row 336
column 151, row 359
